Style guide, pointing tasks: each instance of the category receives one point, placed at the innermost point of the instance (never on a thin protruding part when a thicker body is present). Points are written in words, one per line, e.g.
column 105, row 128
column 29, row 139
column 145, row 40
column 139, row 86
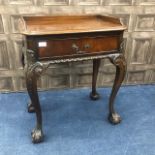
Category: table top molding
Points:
column 45, row 25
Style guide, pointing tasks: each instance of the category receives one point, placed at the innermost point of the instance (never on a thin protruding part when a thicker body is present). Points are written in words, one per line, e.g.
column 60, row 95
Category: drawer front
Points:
column 76, row 46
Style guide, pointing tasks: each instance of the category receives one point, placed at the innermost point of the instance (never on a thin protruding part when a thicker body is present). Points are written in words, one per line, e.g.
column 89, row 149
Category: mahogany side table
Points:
column 60, row 39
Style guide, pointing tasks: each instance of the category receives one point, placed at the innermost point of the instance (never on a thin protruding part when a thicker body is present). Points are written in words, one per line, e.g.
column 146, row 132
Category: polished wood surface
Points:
column 39, row 25
column 62, row 47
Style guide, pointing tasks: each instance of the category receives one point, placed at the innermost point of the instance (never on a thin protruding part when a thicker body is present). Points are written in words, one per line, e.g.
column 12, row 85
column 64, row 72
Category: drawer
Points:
column 76, row 46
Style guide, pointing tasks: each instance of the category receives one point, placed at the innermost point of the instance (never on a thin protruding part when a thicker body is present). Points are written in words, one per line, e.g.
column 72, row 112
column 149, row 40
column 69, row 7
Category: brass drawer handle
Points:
column 75, row 47
column 87, row 46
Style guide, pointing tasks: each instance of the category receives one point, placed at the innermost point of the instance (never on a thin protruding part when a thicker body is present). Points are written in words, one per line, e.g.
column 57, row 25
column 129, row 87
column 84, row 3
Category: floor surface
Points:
column 75, row 125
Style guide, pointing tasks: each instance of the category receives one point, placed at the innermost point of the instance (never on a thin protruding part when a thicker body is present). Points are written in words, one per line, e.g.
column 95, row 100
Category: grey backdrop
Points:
column 138, row 15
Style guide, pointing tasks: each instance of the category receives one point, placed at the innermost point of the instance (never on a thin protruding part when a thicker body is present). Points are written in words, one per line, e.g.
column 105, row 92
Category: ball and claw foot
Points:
column 94, row 96
column 37, row 135
column 30, row 108
column 114, row 118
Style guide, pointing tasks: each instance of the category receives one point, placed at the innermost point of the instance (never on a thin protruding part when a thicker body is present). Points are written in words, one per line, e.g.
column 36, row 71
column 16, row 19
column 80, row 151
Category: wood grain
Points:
column 42, row 25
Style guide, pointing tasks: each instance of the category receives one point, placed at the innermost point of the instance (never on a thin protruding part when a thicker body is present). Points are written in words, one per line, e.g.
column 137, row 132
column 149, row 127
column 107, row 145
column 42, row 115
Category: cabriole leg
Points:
column 37, row 133
column 94, row 95
column 120, row 63
column 33, row 70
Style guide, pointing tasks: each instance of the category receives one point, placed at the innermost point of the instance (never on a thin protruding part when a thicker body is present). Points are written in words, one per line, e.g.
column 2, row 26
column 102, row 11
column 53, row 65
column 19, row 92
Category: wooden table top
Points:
column 44, row 25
